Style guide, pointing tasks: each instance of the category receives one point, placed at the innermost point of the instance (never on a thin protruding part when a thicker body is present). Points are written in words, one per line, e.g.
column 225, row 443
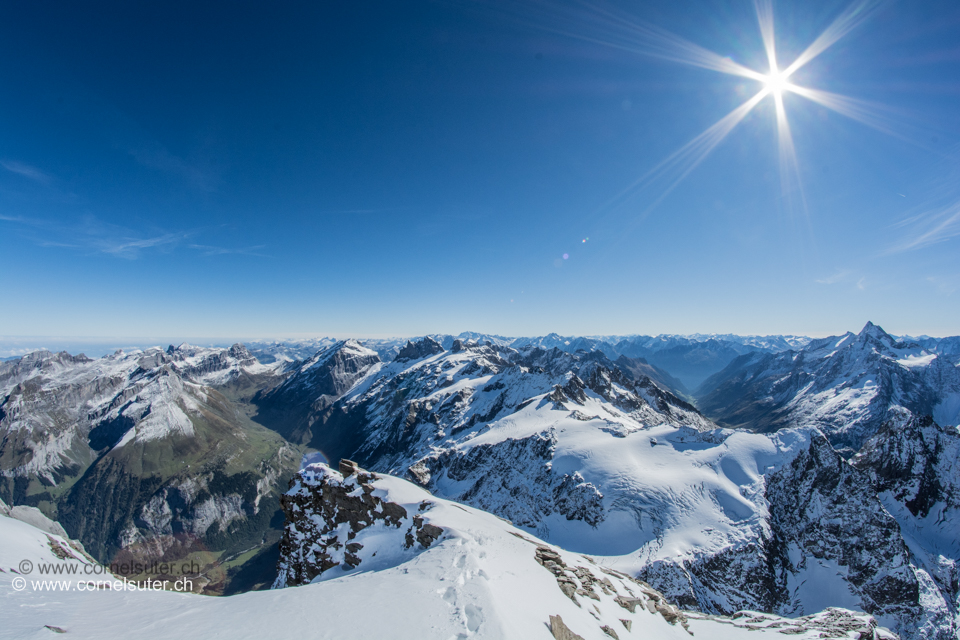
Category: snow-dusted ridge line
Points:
column 55, row 402
column 482, row 580
column 578, row 453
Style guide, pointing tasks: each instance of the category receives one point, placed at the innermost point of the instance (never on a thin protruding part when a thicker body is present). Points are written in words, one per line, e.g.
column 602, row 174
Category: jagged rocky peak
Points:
column 345, row 355
column 825, row 530
column 914, row 462
column 423, row 348
column 871, row 330
column 329, row 516
column 459, row 345
column 847, row 386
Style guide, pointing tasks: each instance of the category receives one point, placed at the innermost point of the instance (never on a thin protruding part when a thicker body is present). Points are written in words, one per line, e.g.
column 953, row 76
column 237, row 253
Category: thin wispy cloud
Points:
column 25, row 170
column 130, row 248
column 62, row 245
column 155, row 156
column 839, row 276
column 930, row 228
column 363, row 211
column 208, row 250
column 946, row 285
column 94, row 236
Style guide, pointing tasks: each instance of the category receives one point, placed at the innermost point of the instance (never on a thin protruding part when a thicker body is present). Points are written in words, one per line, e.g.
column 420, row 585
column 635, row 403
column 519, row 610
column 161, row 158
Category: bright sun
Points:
column 775, row 82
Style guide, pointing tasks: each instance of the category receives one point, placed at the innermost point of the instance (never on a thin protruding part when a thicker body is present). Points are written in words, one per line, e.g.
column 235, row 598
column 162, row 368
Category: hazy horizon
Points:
column 13, row 346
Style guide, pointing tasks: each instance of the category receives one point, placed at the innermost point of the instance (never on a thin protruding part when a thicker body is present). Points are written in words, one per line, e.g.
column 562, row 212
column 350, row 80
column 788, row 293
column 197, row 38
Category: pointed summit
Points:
column 871, row 330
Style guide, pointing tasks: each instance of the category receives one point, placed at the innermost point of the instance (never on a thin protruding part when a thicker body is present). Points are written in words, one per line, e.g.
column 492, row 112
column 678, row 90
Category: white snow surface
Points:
column 668, row 492
column 480, row 580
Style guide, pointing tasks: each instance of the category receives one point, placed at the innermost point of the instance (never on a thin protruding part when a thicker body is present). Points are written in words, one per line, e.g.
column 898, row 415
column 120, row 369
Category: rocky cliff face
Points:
column 824, row 521
column 424, row 417
column 312, row 385
column 487, row 575
column 420, row 349
column 914, row 466
column 519, row 468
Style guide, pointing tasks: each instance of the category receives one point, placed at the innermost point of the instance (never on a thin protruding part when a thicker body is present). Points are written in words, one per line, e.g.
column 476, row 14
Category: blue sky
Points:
column 379, row 168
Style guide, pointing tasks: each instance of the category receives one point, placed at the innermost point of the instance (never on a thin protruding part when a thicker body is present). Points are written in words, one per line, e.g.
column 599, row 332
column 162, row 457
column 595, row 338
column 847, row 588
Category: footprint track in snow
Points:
column 474, row 617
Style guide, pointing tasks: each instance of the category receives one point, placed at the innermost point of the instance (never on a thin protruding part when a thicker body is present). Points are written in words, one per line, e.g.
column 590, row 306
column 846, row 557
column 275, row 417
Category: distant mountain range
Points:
column 779, row 474
column 686, row 361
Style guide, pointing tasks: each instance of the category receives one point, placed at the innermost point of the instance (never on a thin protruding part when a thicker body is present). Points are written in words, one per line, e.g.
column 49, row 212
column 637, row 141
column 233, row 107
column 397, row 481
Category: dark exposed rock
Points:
column 420, row 349
column 557, row 396
column 521, row 469
column 912, row 464
column 348, row 467
column 319, row 502
column 428, row 533
column 574, row 389
column 822, row 510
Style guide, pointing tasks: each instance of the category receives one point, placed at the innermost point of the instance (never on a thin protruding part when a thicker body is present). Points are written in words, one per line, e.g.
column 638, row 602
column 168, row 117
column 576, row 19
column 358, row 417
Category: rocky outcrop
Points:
column 832, row 622
column 420, row 349
column 581, row 582
column 328, row 513
column 513, row 479
column 913, row 466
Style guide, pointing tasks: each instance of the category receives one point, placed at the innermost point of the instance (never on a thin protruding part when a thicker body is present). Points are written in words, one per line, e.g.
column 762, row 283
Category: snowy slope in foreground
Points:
column 481, row 579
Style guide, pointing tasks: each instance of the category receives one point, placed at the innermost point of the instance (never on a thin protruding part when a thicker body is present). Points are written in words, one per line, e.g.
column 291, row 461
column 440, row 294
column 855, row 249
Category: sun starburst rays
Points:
column 589, row 21
column 678, row 165
column 618, row 30
column 765, row 19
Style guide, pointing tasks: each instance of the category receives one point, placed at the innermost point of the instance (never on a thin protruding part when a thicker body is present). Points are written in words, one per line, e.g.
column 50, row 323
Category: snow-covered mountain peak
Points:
column 343, row 349
column 845, row 385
